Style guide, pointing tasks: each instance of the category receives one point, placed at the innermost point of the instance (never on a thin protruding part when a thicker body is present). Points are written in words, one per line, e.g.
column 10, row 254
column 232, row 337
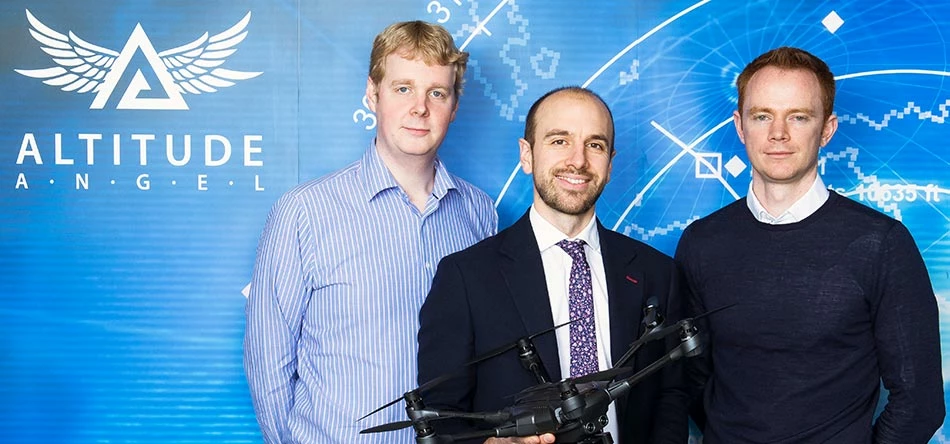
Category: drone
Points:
column 573, row 409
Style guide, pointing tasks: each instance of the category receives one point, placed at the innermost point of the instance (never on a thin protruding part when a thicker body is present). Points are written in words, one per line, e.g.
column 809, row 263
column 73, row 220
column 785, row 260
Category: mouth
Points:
column 416, row 131
column 573, row 180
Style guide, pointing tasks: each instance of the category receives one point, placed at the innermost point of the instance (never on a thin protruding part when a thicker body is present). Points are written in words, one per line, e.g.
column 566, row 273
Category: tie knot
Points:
column 575, row 249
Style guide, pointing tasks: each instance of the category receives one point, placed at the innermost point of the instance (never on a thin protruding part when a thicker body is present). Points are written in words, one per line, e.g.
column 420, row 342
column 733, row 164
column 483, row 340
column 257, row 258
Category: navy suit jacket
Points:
column 494, row 292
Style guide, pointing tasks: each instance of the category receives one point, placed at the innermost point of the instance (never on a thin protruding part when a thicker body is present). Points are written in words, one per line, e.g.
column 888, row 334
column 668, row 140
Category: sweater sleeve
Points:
column 906, row 331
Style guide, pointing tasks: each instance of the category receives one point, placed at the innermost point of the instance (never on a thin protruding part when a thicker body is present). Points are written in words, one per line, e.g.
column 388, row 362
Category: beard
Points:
column 565, row 201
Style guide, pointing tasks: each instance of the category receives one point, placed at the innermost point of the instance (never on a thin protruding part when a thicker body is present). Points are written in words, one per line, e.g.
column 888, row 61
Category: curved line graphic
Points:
column 882, row 72
column 641, row 39
column 665, row 23
column 689, row 147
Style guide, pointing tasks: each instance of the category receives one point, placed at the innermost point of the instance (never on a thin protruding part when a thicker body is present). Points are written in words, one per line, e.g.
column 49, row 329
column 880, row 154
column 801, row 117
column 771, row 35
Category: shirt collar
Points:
column 547, row 235
column 443, row 180
column 805, row 206
column 377, row 177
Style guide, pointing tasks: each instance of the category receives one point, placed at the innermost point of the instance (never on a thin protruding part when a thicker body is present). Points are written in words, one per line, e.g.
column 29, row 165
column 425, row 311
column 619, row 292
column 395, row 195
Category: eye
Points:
column 438, row 94
column 800, row 118
column 558, row 142
column 597, row 146
column 760, row 117
column 402, row 89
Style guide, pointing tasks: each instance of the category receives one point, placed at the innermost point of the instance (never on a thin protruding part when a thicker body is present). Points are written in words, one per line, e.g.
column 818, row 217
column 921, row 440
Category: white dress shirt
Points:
column 805, row 206
column 557, row 274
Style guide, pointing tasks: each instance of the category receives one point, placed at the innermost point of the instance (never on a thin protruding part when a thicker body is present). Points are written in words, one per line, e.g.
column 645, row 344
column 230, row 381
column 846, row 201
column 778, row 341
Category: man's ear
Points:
column 737, row 120
column 524, row 149
column 831, row 125
column 372, row 94
column 610, row 164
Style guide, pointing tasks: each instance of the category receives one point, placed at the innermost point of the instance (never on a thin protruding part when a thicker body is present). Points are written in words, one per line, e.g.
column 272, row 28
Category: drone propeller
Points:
column 603, row 375
column 696, row 318
column 388, row 404
column 491, row 354
column 505, row 348
column 548, row 395
column 659, row 333
column 388, row 427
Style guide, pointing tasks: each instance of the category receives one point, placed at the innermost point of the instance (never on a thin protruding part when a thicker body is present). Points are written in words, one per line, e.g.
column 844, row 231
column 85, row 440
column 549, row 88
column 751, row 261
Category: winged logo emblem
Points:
column 193, row 68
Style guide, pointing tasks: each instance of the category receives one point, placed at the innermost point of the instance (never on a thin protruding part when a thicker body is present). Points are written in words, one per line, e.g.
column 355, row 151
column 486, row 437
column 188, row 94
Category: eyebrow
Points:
column 762, row 109
column 557, row 132
column 561, row 132
column 412, row 82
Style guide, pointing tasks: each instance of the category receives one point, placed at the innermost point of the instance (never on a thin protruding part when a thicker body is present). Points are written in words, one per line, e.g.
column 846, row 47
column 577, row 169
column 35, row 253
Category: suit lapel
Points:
column 624, row 291
column 523, row 271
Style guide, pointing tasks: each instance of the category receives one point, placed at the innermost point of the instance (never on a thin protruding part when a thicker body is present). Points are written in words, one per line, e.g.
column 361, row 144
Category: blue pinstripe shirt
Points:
column 343, row 266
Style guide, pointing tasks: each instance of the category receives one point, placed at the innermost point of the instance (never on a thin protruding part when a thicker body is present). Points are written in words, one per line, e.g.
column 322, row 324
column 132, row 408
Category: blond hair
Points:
column 428, row 42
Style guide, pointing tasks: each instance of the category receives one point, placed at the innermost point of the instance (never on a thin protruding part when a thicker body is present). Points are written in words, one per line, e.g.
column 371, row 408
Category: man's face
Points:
column 414, row 104
column 571, row 155
column 782, row 126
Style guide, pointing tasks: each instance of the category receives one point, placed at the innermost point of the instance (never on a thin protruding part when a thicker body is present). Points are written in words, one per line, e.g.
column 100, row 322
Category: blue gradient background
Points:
column 121, row 310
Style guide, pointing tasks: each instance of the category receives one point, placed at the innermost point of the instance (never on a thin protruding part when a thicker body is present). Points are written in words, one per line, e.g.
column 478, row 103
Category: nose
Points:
column 778, row 131
column 421, row 105
column 577, row 157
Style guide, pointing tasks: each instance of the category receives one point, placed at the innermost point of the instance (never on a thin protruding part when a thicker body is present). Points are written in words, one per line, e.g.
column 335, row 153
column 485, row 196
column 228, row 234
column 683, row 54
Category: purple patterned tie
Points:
column 581, row 298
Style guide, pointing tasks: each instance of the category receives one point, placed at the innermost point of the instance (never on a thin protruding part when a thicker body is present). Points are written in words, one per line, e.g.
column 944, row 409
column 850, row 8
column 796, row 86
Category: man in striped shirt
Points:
column 345, row 261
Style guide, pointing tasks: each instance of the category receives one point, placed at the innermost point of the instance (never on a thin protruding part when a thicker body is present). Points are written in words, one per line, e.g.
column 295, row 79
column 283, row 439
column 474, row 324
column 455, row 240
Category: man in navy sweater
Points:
column 831, row 297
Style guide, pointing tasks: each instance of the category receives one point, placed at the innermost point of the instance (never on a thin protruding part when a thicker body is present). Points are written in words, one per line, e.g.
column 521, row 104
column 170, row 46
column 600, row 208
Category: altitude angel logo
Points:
column 193, row 68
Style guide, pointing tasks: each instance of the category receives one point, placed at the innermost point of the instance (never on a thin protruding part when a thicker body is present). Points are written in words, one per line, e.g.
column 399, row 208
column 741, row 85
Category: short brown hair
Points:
column 428, row 42
column 529, row 125
column 789, row 58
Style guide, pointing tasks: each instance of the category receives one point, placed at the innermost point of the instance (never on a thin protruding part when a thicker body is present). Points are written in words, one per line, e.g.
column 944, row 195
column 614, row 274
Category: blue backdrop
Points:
column 131, row 212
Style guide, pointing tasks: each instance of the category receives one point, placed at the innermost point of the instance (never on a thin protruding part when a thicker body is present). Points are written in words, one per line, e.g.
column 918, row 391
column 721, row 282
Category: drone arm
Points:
column 690, row 345
column 652, row 322
column 530, row 360
column 629, row 354
column 654, row 334
column 623, row 386
column 523, row 422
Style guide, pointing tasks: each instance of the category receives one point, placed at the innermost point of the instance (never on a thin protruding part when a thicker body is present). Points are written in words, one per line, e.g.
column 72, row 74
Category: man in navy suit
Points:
column 520, row 282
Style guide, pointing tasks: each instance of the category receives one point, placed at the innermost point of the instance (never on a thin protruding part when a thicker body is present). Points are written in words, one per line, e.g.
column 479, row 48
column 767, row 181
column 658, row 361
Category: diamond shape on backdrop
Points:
column 832, row 22
column 735, row 166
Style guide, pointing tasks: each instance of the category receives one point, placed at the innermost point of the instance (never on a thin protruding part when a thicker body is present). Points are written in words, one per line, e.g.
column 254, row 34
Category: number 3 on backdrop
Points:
column 363, row 114
column 435, row 7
